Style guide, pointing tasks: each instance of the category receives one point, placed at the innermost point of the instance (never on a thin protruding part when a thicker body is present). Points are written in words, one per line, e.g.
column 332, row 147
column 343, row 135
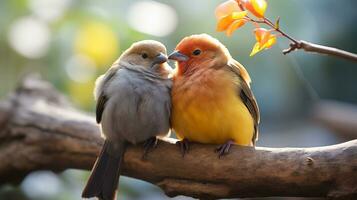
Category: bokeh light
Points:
column 42, row 184
column 80, row 68
column 29, row 37
column 49, row 10
column 152, row 17
column 81, row 93
column 98, row 42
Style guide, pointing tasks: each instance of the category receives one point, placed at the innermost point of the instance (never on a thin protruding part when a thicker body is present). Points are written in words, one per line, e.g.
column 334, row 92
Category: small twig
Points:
column 241, row 5
column 293, row 47
column 253, row 20
column 271, row 24
column 311, row 47
column 306, row 46
column 296, row 44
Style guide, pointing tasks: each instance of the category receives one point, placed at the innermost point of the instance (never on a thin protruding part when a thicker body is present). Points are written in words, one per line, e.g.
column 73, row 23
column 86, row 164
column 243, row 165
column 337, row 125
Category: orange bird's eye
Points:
column 196, row 52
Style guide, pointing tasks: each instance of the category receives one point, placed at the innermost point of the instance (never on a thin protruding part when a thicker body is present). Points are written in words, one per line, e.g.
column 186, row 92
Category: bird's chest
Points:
column 201, row 104
column 202, row 89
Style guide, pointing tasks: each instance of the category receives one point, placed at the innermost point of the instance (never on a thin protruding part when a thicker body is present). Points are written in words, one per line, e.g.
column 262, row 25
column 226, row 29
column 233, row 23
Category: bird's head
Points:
column 147, row 54
column 199, row 51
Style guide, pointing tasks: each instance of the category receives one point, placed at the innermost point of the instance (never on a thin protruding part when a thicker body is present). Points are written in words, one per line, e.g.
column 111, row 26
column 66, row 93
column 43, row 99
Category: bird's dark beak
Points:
column 176, row 55
column 161, row 58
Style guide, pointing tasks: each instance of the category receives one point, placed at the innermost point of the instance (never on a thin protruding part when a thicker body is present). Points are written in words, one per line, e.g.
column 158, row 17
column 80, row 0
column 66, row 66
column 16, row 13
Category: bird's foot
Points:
column 224, row 148
column 184, row 146
column 150, row 144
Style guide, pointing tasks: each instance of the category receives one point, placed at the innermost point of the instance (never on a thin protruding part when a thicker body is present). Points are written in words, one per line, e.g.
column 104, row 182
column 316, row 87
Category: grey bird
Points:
column 133, row 106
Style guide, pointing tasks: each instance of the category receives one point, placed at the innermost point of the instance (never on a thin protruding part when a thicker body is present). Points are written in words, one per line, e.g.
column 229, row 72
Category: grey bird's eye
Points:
column 144, row 55
column 196, row 52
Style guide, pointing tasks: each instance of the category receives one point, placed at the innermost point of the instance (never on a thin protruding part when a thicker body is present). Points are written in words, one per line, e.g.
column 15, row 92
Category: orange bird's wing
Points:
column 246, row 94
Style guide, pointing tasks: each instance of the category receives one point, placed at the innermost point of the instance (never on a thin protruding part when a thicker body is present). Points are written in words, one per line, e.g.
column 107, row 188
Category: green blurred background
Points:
column 71, row 42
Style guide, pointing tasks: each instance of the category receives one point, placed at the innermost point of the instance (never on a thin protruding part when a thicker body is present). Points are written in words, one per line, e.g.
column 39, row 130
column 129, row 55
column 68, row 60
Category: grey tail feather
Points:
column 104, row 177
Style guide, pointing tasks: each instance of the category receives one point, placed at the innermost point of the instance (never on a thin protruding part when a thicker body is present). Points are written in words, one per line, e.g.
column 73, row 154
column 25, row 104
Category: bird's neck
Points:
column 190, row 67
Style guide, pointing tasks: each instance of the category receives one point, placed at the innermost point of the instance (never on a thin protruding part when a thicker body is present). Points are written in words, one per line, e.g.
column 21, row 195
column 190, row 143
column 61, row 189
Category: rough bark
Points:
column 40, row 130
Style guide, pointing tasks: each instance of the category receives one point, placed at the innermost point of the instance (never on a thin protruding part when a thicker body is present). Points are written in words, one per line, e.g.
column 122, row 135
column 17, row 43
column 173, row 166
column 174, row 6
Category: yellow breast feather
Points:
column 208, row 109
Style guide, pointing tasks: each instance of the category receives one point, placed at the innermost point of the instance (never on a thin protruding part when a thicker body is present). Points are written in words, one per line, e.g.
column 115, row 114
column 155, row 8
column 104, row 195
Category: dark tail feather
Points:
column 104, row 177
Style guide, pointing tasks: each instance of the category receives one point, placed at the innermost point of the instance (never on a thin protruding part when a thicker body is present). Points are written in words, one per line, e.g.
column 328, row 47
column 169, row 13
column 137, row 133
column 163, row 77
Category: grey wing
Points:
column 99, row 93
column 100, row 107
column 248, row 99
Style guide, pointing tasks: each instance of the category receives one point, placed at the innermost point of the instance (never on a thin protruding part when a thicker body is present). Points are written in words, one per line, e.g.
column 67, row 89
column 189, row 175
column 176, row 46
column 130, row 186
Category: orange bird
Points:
column 212, row 101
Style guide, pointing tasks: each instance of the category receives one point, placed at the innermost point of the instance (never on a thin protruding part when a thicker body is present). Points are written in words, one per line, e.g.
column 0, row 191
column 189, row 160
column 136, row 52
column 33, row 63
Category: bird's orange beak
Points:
column 176, row 55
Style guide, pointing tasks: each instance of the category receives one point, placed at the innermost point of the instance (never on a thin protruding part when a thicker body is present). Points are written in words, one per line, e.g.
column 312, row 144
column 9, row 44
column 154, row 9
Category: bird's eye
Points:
column 144, row 55
column 196, row 52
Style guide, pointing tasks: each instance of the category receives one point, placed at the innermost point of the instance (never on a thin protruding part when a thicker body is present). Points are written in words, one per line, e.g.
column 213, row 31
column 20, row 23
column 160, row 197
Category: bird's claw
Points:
column 149, row 144
column 224, row 148
column 184, row 146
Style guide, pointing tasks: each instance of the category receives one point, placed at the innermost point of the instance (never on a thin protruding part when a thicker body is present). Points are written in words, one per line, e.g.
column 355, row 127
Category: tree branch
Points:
column 311, row 47
column 42, row 131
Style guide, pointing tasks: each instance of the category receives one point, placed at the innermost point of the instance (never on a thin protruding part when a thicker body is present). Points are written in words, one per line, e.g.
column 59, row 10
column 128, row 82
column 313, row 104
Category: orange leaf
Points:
column 226, row 21
column 234, row 26
column 256, row 7
column 265, row 40
column 255, row 49
column 239, row 15
column 226, row 8
column 261, row 35
column 271, row 41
